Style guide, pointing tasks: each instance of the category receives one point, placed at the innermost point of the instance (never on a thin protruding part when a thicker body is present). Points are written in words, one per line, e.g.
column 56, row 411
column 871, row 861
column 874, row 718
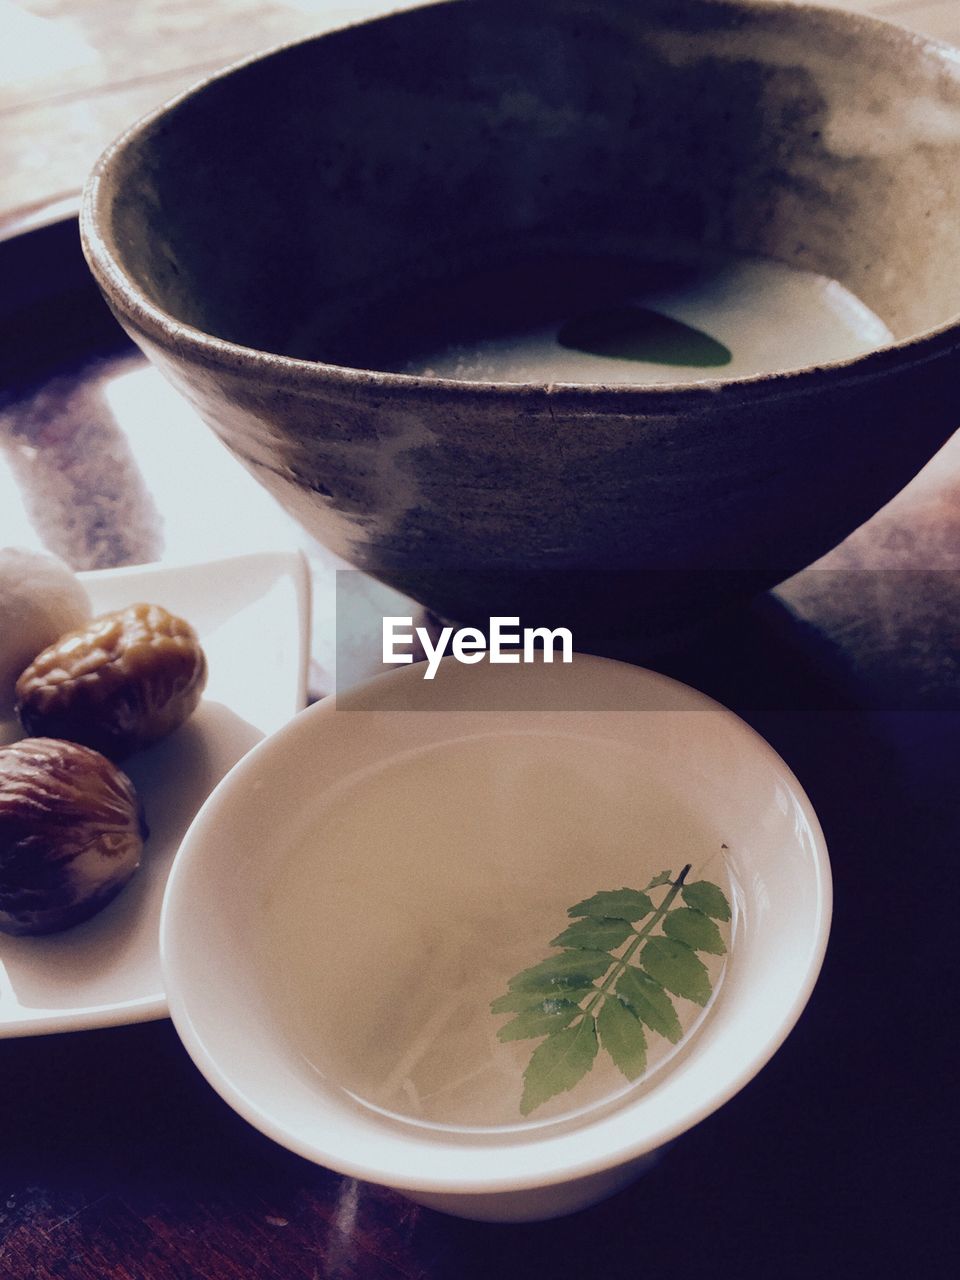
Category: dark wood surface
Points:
column 117, row 1161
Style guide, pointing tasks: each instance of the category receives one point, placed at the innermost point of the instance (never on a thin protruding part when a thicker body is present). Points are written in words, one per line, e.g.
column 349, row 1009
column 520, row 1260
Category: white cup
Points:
column 606, row 771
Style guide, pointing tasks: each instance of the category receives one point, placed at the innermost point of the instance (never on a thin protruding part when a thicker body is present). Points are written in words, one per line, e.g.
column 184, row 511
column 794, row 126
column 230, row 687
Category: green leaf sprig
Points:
column 591, row 995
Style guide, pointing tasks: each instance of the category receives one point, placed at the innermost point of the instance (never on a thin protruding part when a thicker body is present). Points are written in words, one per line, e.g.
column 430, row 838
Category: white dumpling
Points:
column 40, row 599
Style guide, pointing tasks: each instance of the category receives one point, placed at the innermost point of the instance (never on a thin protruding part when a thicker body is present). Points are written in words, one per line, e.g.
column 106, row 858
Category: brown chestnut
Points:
column 119, row 683
column 71, row 834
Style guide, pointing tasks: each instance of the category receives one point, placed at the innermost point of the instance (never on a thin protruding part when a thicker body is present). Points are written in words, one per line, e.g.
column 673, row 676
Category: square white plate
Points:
column 252, row 615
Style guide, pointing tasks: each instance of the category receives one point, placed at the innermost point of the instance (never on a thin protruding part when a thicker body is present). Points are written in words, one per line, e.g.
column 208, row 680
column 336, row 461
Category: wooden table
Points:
column 117, row 1162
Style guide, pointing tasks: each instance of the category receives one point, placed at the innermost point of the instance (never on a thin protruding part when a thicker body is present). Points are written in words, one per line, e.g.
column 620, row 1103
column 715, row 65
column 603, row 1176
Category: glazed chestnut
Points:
column 71, row 834
column 123, row 681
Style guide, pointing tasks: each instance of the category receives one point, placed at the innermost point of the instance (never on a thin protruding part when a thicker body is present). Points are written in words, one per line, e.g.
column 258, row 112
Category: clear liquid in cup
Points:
column 417, row 892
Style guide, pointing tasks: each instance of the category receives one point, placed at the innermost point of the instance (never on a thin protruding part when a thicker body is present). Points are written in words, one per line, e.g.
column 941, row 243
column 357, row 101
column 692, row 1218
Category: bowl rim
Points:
column 548, row 1157
column 194, row 346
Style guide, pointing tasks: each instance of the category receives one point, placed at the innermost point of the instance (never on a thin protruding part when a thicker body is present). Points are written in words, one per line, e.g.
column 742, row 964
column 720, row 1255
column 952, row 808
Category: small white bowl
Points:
column 318, row 894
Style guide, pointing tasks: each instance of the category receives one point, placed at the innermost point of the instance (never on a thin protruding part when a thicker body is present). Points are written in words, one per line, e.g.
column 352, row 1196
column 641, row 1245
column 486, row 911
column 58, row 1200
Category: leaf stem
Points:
column 614, row 973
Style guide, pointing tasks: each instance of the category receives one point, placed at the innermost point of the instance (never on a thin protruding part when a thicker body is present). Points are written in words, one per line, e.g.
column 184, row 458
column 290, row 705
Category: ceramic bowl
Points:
column 237, row 231
column 373, row 874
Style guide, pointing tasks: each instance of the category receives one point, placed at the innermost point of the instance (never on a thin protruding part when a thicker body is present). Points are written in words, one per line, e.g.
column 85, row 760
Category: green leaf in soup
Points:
column 559, row 1064
column 594, row 933
column 650, row 1003
column 621, row 1034
column 520, row 1001
column 542, row 1020
column 566, row 969
column 688, row 925
column 706, row 897
column 617, row 904
column 630, row 332
column 675, row 966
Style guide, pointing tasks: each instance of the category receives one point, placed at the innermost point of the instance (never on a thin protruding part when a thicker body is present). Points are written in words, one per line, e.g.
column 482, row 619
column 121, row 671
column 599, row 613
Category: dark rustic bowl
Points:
column 262, row 204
